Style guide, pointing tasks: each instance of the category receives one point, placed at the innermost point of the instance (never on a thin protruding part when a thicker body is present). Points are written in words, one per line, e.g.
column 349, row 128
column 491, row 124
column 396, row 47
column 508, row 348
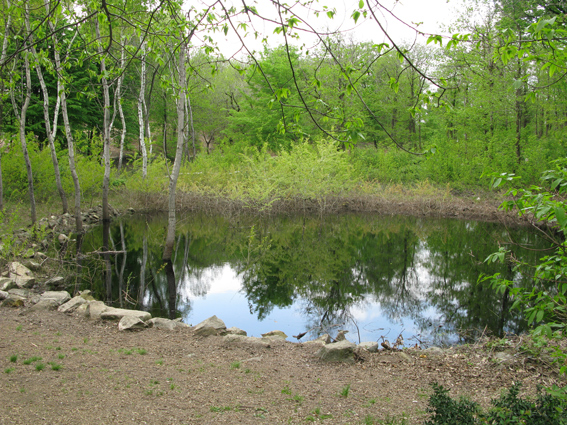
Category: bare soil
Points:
column 94, row 374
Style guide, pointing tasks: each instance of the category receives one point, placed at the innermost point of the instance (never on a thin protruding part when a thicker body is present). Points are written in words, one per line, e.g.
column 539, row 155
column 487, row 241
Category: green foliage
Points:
column 549, row 408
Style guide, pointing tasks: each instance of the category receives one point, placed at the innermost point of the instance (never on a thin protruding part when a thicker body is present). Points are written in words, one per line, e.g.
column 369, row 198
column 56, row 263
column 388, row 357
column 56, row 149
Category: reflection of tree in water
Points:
column 334, row 266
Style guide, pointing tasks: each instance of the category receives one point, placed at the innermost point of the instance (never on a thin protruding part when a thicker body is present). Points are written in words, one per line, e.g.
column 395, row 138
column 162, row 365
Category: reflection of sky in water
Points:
column 225, row 300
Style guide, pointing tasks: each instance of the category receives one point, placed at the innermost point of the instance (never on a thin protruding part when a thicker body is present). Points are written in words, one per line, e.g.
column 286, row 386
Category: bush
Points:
column 549, row 408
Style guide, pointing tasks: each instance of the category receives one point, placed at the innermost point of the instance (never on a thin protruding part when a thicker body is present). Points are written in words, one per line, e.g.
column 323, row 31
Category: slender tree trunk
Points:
column 118, row 104
column 21, row 116
column 68, row 134
column 141, row 121
column 170, row 239
column 51, row 131
column 105, row 130
column 142, row 286
column 2, row 60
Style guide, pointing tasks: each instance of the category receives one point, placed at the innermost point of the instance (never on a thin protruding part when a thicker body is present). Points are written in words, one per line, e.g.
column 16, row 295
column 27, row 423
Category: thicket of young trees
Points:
column 98, row 83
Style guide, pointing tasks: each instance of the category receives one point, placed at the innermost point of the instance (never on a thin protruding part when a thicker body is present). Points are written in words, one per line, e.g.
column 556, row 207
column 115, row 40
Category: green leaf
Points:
column 355, row 16
column 361, row 4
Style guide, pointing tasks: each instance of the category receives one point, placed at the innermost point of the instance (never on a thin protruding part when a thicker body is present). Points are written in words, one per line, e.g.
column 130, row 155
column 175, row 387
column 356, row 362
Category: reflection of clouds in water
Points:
column 211, row 280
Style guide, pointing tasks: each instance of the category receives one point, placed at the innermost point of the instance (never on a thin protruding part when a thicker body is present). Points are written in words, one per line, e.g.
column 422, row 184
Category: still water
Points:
column 375, row 276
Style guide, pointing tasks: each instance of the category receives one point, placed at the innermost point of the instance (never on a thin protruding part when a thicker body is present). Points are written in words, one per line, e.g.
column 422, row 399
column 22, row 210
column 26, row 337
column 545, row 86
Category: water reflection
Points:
column 375, row 276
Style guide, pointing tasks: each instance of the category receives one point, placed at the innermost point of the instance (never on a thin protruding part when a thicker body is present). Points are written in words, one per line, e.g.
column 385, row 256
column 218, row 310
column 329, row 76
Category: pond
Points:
column 375, row 276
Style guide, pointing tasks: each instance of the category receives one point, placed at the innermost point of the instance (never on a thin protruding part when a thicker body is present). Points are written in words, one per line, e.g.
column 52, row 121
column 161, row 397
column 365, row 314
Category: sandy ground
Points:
column 61, row 369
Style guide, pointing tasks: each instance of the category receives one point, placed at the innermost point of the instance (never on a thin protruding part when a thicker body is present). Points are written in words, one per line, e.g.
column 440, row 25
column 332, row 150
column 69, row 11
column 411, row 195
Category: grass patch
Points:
column 9, row 369
column 14, row 358
column 345, row 391
column 235, row 365
column 32, row 360
column 19, row 327
column 55, row 366
column 39, row 367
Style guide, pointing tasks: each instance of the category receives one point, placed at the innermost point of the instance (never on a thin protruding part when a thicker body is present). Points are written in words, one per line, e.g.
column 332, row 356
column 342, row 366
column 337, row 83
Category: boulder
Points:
column 213, row 322
column 95, row 309
column 62, row 238
column 59, row 296
column 369, row 346
column 322, row 340
column 131, row 323
column 257, row 342
column 55, row 282
column 6, row 283
column 235, row 331
column 20, row 293
column 275, row 335
column 341, row 336
column 44, row 305
column 342, row 351
column 3, row 295
column 21, row 275
column 12, row 302
column 118, row 313
column 161, row 323
column 204, row 331
column 71, row 305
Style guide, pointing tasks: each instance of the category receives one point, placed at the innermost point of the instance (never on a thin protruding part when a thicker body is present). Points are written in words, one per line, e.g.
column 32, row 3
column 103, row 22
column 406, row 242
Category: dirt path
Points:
column 94, row 374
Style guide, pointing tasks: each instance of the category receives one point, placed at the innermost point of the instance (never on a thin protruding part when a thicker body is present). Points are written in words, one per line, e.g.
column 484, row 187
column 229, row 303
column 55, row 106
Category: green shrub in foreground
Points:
column 549, row 408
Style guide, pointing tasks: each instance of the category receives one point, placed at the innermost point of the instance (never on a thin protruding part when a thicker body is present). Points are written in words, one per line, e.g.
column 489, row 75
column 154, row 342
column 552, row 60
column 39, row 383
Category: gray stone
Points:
column 249, row 340
column 59, row 296
column 236, row 331
column 405, row 357
column 82, row 310
column 204, row 331
column 3, row 295
column 503, row 357
column 118, row 313
column 433, row 352
column 45, row 304
column 56, row 281
column 71, row 305
column 341, row 336
column 20, row 292
column 95, row 309
column 369, row 346
column 322, row 340
column 6, row 283
column 130, row 323
column 62, row 238
column 213, row 322
column 342, row 351
column 12, row 302
column 166, row 324
column 22, row 276
column 275, row 335
column 33, row 265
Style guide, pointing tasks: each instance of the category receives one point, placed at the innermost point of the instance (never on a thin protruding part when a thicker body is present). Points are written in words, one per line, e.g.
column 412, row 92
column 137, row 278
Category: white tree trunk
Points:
column 105, row 128
column 171, row 223
column 118, row 104
column 2, row 64
column 68, row 134
column 141, row 120
column 49, row 129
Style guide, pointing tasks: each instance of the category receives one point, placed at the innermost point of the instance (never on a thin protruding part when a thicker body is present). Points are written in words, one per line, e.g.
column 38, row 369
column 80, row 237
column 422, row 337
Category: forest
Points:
column 136, row 96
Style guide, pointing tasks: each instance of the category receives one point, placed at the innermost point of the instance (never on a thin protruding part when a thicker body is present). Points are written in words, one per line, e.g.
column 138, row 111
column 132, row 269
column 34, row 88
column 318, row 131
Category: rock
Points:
column 59, row 296
column 341, row 336
column 131, row 323
column 82, row 310
column 21, row 275
column 236, row 331
column 213, row 322
column 433, row 352
column 3, row 295
column 12, row 302
column 55, row 282
column 118, row 313
column 86, row 294
column 131, row 210
column 6, row 283
column 258, row 342
column 20, row 293
column 62, row 238
column 342, row 351
column 405, row 357
column 322, row 340
column 369, row 346
column 33, row 265
column 95, row 309
column 71, row 305
column 503, row 357
column 161, row 323
column 275, row 335
column 204, row 331
column 45, row 304
column 386, row 345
